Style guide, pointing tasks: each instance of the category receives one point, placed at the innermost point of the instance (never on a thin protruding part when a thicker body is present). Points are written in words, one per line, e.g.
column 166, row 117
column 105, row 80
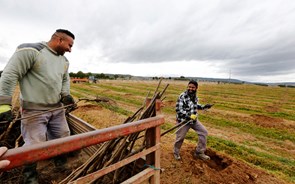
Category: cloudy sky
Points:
column 248, row 40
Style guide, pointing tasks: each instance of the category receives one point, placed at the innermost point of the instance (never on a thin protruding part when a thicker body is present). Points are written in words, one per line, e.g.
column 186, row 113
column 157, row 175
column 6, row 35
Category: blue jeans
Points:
column 47, row 126
column 202, row 135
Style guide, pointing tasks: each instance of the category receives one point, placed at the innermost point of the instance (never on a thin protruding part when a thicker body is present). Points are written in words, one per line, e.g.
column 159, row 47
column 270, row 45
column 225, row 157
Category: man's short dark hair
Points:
column 193, row 82
column 67, row 32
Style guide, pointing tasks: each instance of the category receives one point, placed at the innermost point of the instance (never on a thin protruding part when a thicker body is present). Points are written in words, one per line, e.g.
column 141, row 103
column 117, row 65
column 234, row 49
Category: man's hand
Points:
column 3, row 163
column 193, row 117
column 5, row 113
column 207, row 106
column 69, row 100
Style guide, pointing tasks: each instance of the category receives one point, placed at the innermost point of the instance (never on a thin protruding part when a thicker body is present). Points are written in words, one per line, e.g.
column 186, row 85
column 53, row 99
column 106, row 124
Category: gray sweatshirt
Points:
column 42, row 75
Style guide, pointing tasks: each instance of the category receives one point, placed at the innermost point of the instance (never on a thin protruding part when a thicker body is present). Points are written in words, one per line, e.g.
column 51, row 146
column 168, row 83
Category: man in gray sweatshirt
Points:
column 41, row 69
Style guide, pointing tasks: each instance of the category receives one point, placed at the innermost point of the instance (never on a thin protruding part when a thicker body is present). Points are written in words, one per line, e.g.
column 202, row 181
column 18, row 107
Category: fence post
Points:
column 153, row 137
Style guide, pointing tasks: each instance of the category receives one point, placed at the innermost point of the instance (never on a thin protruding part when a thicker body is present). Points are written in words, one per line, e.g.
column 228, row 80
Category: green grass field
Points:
column 252, row 123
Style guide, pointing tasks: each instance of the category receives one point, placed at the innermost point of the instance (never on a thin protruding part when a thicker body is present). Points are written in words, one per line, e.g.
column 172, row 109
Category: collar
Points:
column 51, row 50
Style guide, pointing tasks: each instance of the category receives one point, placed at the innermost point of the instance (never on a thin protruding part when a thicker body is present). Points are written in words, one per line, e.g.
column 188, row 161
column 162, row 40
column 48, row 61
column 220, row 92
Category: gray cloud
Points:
column 247, row 37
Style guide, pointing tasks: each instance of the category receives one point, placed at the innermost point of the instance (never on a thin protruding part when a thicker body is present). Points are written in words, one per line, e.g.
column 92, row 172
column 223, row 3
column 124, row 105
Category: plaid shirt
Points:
column 185, row 107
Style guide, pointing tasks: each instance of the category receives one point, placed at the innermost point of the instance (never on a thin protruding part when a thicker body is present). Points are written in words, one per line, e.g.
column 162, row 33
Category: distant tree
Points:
column 182, row 77
column 102, row 76
column 155, row 78
column 80, row 74
column 72, row 74
column 97, row 76
column 260, row 84
column 88, row 74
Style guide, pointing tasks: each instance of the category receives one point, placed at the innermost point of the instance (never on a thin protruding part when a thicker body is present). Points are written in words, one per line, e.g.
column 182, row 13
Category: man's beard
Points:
column 60, row 51
column 192, row 92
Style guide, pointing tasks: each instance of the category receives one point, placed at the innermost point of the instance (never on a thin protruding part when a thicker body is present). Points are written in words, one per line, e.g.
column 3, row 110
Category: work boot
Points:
column 201, row 156
column 177, row 156
column 30, row 175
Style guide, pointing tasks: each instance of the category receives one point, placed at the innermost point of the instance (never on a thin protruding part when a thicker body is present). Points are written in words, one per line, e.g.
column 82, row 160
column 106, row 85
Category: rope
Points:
column 151, row 166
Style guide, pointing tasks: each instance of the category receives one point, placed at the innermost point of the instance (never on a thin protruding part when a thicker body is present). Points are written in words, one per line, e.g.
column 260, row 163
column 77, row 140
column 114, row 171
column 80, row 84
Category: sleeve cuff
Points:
column 5, row 100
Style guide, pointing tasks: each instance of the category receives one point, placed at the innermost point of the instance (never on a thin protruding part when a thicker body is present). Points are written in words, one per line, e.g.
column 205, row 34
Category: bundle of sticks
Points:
column 118, row 149
column 10, row 135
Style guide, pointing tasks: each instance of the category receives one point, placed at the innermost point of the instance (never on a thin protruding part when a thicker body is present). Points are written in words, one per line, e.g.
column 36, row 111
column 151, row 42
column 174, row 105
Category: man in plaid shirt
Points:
column 186, row 111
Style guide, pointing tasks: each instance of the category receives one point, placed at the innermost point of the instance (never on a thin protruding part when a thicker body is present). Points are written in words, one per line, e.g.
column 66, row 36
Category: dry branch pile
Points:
column 10, row 135
column 118, row 149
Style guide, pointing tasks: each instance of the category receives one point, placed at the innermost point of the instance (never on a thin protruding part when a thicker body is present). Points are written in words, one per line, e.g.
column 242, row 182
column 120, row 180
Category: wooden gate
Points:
column 42, row 151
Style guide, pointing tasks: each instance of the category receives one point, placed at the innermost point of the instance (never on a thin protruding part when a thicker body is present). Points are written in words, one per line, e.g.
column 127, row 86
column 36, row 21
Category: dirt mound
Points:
column 220, row 169
column 271, row 122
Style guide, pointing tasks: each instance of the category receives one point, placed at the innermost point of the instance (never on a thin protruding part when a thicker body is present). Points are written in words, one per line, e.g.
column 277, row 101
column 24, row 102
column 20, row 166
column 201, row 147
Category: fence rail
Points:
column 42, row 151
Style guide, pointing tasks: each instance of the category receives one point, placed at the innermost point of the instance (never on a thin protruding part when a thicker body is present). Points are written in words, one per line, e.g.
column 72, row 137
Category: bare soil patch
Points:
column 271, row 122
column 169, row 103
column 220, row 169
column 272, row 108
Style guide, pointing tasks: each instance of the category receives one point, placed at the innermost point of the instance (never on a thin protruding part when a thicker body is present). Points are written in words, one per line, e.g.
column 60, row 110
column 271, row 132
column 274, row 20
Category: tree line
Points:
column 81, row 75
